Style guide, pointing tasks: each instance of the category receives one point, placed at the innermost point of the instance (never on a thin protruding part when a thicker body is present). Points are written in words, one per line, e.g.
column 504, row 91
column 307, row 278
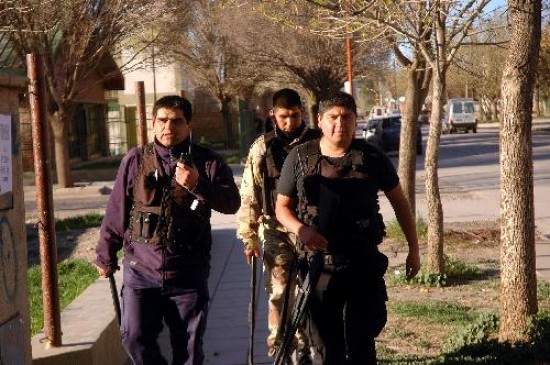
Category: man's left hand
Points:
column 412, row 264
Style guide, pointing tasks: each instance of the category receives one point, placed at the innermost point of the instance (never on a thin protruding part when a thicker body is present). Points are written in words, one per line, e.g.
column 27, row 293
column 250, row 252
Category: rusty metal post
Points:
column 349, row 57
column 348, row 52
column 141, row 117
column 44, row 200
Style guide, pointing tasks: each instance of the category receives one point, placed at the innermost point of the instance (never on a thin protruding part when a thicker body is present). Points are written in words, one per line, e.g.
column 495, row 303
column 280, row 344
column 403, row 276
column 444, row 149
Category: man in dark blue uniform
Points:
column 159, row 214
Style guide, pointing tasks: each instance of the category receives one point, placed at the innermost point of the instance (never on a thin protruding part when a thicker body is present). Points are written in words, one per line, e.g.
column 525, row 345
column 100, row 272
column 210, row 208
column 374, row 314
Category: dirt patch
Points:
column 473, row 243
column 76, row 243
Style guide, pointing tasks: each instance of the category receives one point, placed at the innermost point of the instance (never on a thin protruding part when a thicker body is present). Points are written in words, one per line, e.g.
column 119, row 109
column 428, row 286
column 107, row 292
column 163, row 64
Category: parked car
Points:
column 360, row 128
column 460, row 114
column 385, row 133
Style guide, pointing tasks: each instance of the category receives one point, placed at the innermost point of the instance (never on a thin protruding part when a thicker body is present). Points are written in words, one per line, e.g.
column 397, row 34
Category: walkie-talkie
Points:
column 187, row 157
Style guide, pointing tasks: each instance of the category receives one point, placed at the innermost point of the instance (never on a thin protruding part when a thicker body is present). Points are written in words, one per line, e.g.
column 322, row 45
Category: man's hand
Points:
column 104, row 272
column 187, row 176
column 249, row 252
column 312, row 239
column 412, row 264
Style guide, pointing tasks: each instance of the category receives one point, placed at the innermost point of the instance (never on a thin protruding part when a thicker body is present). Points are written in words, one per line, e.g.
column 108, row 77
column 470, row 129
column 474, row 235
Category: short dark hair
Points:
column 339, row 98
column 286, row 98
column 174, row 102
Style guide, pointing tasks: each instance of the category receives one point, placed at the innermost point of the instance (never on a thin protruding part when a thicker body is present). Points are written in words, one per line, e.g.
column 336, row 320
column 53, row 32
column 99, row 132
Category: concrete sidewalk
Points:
column 227, row 334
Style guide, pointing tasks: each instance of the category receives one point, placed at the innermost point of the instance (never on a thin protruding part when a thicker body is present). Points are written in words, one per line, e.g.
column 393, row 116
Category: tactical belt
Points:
column 343, row 260
column 336, row 260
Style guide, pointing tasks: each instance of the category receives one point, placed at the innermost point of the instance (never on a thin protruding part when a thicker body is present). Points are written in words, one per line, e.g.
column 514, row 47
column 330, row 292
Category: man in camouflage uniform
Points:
column 257, row 221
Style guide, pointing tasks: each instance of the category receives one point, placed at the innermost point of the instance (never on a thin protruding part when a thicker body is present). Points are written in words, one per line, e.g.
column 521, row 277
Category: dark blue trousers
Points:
column 143, row 311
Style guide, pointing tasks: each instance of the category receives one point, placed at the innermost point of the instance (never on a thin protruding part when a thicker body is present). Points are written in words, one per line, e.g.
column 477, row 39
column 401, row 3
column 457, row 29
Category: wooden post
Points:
column 140, row 113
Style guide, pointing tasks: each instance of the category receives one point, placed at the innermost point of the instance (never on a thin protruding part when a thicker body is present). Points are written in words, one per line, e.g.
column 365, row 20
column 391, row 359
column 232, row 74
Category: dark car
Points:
column 385, row 133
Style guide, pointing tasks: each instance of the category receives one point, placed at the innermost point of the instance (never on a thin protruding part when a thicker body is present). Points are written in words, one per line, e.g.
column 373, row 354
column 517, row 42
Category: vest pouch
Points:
column 149, row 224
column 143, row 227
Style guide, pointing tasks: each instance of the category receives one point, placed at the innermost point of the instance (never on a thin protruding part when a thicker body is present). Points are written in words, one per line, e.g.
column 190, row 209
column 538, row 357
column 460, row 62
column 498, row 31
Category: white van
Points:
column 460, row 114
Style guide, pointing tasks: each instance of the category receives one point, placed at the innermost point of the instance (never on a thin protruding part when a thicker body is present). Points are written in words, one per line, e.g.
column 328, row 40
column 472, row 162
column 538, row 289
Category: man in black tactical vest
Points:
column 159, row 214
column 328, row 197
column 257, row 223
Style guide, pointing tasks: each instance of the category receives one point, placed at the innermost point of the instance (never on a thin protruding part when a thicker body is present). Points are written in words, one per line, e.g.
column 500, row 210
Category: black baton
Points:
column 252, row 310
column 114, row 295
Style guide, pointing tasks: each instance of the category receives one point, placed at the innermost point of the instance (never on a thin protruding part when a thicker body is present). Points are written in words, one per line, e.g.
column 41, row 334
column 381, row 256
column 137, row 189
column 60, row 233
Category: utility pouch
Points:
column 380, row 263
column 144, row 225
column 149, row 224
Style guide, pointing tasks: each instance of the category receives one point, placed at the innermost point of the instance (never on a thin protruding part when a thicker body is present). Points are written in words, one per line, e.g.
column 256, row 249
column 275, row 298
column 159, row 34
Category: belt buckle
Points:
column 336, row 260
column 329, row 260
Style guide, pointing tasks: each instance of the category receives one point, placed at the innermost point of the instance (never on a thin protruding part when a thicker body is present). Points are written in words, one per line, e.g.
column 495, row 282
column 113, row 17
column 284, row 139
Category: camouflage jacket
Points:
column 252, row 213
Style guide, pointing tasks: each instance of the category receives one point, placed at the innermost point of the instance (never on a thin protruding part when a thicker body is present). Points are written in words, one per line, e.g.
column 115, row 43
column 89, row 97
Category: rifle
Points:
column 328, row 204
column 316, row 264
column 252, row 310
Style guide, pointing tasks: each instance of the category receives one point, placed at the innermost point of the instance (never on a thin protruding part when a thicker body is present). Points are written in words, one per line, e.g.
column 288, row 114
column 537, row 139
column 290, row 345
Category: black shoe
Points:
column 303, row 357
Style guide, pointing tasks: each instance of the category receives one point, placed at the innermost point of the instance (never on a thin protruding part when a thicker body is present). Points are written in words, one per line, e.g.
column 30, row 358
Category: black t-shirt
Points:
column 377, row 165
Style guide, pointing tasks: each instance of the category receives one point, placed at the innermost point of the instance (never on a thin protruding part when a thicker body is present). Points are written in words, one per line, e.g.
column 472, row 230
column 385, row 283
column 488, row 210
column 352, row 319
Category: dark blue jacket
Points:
column 216, row 186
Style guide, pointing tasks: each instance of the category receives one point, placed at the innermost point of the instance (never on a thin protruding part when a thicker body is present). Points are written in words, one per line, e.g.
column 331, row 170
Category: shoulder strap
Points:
column 273, row 170
column 269, row 172
column 308, row 157
column 359, row 151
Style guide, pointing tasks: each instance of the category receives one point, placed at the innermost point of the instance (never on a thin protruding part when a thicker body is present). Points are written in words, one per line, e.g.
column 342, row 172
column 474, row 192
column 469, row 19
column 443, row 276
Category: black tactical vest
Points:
column 276, row 151
column 163, row 212
column 340, row 197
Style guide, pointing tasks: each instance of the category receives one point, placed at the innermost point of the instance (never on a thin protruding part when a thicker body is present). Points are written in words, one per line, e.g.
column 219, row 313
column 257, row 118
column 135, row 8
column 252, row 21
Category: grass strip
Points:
column 73, row 277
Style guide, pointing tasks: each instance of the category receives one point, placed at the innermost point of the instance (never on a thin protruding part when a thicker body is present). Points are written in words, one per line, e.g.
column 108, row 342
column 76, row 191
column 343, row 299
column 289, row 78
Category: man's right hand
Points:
column 249, row 252
column 312, row 239
column 104, row 272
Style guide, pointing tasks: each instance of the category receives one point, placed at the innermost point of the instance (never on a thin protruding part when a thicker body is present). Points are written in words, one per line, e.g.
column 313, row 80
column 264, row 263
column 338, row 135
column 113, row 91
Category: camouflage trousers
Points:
column 280, row 267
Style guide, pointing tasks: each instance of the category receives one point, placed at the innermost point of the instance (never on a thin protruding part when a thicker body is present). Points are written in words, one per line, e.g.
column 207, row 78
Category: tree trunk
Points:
column 536, row 100
column 60, row 127
column 494, row 110
column 518, row 300
column 436, row 262
column 226, row 117
column 313, row 111
column 415, row 96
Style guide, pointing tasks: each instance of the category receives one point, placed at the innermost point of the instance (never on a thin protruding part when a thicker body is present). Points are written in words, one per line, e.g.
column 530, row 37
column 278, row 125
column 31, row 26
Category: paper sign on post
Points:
column 6, row 167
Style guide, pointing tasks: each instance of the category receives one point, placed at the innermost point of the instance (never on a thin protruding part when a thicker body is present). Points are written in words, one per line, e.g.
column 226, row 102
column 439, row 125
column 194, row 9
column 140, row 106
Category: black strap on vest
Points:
column 267, row 167
column 276, row 152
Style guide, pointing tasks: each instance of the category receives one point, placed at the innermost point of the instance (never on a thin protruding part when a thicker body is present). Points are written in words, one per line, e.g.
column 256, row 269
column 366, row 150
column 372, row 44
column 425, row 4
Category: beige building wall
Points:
column 169, row 80
column 15, row 345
